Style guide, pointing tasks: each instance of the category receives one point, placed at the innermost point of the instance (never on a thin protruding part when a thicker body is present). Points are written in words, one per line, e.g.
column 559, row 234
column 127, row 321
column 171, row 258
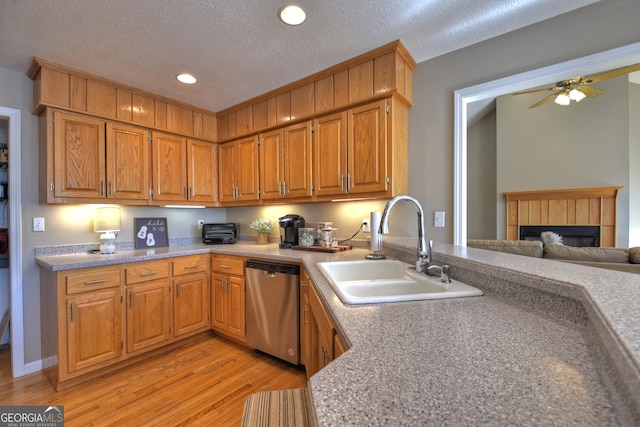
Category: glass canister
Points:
column 329, row 237
column 306, row 236
column 319, row 226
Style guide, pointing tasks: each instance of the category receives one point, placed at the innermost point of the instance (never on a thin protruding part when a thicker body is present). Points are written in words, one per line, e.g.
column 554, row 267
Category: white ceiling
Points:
column 239, row 49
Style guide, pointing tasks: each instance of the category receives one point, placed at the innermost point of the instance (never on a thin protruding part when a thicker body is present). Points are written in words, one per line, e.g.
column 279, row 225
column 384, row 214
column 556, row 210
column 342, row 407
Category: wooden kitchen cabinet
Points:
column 238, row 171
column 361, row 151
column 319, row 342
column 90, row 160
column 285, row 162
column 169, row 167
column 78, row 154
column 191, row 295
column 202, row 170
column 90, row 321
column 305, row 319
column 127, row 162
column 228, row 295
column 149, row 305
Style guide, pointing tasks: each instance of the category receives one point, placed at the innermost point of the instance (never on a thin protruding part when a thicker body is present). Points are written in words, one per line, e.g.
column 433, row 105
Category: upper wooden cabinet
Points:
column 202, row 171
column 169, row 162
column 127, row 162
column 382, row 72
column 361, row 151
column 285, row 162
column 238, row 171
column 78, row 147
column 58, row 86
column 89, row 160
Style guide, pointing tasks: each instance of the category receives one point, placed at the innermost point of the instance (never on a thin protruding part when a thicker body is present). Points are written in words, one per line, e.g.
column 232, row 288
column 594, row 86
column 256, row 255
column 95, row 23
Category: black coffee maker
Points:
column 289, row 225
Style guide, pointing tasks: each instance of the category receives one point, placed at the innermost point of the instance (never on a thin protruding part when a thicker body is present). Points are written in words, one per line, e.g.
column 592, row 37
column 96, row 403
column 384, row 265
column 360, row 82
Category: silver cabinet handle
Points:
column 73, row 311
column 131, row 300
column 95, row 282
column 189, row 267
column 224, row 266
column 304, row 315
column 341, row 182
column 178, row 290
column 149, row 273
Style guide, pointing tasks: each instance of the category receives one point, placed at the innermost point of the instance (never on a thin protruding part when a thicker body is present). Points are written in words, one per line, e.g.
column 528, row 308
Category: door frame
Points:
column 15, row 239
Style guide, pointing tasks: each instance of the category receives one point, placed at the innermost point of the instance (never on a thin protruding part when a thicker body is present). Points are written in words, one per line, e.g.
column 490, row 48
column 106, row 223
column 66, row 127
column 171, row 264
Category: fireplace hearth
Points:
column 572, row 235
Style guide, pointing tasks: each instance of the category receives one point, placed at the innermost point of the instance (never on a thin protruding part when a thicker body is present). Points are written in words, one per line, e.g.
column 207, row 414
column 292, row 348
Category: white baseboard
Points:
column 30, row 368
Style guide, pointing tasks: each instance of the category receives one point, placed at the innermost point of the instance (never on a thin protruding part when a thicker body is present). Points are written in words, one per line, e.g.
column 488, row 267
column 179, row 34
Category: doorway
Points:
column 11, row 118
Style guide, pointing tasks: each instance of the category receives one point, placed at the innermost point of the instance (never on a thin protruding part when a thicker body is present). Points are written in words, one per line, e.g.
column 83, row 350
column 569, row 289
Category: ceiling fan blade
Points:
column 610, row 74
column 545, row 99
column 533, row 91
column 591, row 91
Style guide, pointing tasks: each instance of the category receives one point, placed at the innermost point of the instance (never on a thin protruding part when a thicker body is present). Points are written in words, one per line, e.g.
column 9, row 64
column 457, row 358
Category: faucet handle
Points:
column 444, row 274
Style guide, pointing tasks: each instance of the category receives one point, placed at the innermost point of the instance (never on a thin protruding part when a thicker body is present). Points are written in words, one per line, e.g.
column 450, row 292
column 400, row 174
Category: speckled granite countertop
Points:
column 549, row 343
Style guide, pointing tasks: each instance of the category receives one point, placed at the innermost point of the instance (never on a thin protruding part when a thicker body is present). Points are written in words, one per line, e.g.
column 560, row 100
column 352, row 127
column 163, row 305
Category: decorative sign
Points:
column 150, row 233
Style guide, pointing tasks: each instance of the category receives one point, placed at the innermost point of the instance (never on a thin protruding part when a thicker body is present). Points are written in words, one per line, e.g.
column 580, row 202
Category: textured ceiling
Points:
column 239, row 49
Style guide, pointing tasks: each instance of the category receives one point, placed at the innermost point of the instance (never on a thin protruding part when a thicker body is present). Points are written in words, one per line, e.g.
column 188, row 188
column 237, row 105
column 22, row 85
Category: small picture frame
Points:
column 150, row 233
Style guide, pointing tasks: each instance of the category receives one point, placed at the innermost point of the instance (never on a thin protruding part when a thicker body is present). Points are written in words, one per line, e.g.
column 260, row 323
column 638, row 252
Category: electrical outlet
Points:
column 438, row 219
column 200, row 224
column 366, row 227
column 38, row 224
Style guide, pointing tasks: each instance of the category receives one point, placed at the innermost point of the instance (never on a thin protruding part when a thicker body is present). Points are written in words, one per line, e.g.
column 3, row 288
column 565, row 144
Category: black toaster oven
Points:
column 219, row 234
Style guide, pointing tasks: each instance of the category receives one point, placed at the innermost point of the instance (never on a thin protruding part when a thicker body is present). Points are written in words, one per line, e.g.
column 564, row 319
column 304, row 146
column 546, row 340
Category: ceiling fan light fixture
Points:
column 292, row 15
column 576, row 95
column 563, row 99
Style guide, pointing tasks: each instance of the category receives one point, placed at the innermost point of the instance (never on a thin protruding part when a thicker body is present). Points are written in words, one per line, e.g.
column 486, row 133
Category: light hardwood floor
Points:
column 202, row 384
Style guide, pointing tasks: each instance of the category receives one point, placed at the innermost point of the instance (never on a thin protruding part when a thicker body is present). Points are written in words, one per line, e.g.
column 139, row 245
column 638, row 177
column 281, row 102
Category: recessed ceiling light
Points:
column 186, row 78
column 292, row 15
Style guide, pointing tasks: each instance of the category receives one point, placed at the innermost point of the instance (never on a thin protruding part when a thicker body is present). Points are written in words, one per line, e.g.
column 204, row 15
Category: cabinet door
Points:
column 79, row 159
column 191, row 304
column 202, row 168
column 330, row 154
column 305, row 324
column 94, row 329
column 297, row 160
column 127, row 162
column 148, row 315
column 236, row 306
column 227, row 159
column 169, row 167
column 367, row 148
column 247, row 164
column 271, row 173
column 218, row 302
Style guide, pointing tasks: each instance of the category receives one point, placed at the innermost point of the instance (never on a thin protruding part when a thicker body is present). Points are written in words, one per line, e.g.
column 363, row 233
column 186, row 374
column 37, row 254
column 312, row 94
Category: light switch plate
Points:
column 438, row 219
column 38, row 224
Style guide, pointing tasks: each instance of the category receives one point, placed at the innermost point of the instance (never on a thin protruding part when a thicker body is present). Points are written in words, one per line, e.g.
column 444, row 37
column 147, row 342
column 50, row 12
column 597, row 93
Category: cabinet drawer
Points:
column 91, row 279
column 190, row 264
column 228, row 265
column 144, row 271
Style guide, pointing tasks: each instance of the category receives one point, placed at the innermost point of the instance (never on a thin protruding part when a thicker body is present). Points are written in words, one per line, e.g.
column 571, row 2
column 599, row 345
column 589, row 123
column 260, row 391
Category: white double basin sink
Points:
column 377, row 281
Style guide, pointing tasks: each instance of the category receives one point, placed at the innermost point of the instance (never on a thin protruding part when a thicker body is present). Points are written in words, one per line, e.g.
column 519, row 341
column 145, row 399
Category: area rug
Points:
column 283, row 408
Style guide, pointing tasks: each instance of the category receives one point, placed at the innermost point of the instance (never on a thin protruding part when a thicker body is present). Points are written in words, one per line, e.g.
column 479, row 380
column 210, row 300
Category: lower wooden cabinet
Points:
column 92, row 318
column 228, row 296
column 93, row 329
column 319, row 342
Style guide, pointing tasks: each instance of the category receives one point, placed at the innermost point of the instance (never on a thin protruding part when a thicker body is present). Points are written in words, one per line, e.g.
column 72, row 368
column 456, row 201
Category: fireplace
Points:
column 591, row 209
column 572, row 235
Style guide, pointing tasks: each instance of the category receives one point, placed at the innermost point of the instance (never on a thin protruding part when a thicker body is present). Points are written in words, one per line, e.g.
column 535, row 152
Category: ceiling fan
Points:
column 577, row 88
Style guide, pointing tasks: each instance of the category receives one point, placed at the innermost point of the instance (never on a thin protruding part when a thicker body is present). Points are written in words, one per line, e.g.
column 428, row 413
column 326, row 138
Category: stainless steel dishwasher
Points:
column 272, row 309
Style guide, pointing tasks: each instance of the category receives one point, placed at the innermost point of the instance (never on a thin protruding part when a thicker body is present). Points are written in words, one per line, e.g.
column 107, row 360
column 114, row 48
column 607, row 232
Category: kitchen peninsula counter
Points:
column 549, row 343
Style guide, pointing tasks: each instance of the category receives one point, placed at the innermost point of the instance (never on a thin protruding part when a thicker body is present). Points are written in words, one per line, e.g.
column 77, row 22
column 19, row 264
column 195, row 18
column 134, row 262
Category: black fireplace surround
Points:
column 572, row 235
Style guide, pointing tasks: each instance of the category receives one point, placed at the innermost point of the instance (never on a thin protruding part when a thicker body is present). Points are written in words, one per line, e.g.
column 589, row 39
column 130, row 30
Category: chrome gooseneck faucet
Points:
column 424, row 254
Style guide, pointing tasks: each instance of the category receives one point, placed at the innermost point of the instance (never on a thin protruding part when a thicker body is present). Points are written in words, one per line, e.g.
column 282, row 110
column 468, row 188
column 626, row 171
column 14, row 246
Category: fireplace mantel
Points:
column 572, row 206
